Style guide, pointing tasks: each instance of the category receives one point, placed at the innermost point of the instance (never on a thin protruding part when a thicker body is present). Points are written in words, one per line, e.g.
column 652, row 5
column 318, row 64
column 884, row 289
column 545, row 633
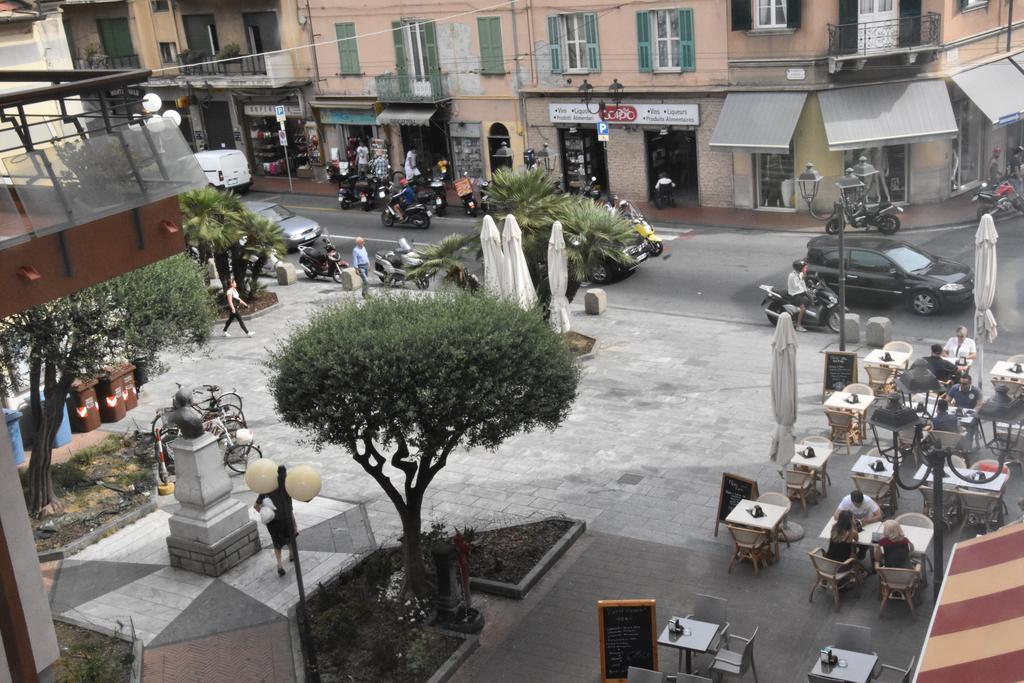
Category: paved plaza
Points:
column 667, row 403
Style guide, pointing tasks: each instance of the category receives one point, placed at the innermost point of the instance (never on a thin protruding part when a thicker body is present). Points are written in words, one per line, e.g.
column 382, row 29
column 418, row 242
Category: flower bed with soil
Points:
column 508, row 554
column 262, row 301
column 90, row 657
column 96, row 486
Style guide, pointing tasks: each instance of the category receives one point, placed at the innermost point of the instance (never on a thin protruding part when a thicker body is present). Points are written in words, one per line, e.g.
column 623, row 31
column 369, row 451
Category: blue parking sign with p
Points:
column 602, row 132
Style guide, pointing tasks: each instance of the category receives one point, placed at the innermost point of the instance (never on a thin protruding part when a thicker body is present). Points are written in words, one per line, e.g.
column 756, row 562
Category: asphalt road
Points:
column 714, row 273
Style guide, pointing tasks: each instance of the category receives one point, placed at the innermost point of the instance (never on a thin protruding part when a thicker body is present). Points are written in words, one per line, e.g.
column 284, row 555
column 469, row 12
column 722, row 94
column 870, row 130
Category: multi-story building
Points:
column 450, row 88
column 225, row 67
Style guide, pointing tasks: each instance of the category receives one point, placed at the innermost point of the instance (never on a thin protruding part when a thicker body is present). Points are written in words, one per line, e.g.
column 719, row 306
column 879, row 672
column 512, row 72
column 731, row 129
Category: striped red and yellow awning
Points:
column 977, row 631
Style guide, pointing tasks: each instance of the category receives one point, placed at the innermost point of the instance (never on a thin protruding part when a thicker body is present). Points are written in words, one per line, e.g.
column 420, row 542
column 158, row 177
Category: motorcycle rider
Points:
column 405, row 197
column 797, row 289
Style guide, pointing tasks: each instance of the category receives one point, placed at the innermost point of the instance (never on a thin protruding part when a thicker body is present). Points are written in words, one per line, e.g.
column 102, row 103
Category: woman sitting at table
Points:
column 894, row 549
column 842, row 543
column 960, row 346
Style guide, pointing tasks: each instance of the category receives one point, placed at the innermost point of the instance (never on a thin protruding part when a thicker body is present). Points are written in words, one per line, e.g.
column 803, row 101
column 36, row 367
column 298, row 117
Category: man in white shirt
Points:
column 863, row 508
column 362, row 157
column 797, row 289
column 960, row 346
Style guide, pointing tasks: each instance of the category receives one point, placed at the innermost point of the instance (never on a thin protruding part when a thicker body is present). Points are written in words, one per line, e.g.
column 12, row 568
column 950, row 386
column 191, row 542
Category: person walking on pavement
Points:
column 234, row 301
column 410, row 164
column 798, row 291
column 281, row 503
column 993, row 167
column 361, row 260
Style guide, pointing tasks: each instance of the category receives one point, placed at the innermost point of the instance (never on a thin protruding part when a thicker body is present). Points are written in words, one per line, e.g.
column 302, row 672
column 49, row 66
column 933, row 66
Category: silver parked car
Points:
column 295, row 230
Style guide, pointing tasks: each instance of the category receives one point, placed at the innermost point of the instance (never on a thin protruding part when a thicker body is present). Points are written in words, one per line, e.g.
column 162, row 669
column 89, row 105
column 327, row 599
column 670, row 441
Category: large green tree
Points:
column 136, row 315
column 401, row 382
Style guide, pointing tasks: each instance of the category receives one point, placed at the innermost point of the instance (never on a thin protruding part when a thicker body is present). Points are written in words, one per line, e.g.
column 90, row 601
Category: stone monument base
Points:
column 215, row 559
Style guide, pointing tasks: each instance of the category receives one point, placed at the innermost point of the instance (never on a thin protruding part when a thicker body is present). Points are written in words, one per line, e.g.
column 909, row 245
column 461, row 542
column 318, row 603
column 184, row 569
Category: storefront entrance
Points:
column 583, row 158
column 673, row 153
column 431, row 144
column 217, row 125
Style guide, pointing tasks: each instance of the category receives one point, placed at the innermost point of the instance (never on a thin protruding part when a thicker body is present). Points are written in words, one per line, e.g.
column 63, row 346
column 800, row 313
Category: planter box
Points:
column 98, row 533
column 519, row 590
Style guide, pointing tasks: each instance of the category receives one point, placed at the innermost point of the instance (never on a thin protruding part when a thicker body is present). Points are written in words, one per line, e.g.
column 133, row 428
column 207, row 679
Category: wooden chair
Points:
column 878, row 489
column 905, row 675
column 980, row 508
column 832, row 575
column 635, row 674
column 729, row 662
column 820, row 444
column 992, row 465
column 1014, row 388
column 916, row 519
column 954, row 441
column 845, row 428
column 901, row 346
column 898, row 584
column 958, row 462
column 951, row 503
column 879, row 379
column 751, row 544
column 1018, row 358
column 773, row 498
column 860, row 389
column 800, row 485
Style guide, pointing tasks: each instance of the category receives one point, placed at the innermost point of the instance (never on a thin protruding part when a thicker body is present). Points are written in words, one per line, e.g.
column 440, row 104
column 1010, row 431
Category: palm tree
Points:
column 260, row 239
column 529, row 195
column 212, row 223
column 449, row 256
column 593, row 238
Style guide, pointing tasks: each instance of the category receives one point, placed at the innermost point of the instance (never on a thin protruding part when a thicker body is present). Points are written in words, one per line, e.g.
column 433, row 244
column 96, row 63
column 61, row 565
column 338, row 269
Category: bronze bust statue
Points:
column 183, row 417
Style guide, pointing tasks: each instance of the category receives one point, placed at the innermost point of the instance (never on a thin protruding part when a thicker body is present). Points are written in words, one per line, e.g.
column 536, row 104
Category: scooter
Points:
column 822, row 312
column 392, row 266
column 416, row 215
column 364, row 189
column 320, row 259
column 485, row 204
column 862, row 216
column 346, row 189
column 440, row 196
column 999, row 201
column 591, row 189
column 644, row 230
column 464, row 188
column 663, row 195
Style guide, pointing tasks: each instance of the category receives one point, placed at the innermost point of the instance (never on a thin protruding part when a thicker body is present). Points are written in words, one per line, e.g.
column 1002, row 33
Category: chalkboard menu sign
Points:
column 840, row 371
column 734, row 489
column 629, row 637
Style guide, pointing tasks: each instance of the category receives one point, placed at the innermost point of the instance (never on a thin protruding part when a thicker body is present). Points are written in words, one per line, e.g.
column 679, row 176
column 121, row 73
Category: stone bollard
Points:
column 211, row 270
column 595, row 301
column 878, row 332
column 285, row 273
column 350, row 280
column 852, row 328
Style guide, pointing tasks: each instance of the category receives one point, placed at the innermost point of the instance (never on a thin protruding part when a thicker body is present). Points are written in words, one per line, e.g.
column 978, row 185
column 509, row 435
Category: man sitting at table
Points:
column 964, row 394
column 960, row 346
column 943, row 370
column 863, row 508
column 943, row 421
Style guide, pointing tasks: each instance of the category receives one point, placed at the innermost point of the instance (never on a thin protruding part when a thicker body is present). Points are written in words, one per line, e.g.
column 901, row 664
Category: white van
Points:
column 226, row 169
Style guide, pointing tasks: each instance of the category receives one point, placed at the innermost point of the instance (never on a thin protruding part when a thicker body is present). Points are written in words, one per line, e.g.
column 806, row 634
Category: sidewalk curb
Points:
column 138, row 648
column 518, row 591
column 454, row 662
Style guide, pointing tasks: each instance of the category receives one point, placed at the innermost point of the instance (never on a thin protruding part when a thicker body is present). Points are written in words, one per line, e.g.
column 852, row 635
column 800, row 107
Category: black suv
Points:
column 882, row 269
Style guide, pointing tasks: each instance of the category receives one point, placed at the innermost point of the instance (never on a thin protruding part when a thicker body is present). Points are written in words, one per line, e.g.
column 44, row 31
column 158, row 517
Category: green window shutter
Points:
column 398, row 35
column 687, row 51
column 793, row 8
column 643, row 40
column 555, row 43
column 348, row 54
column 742, row 16
column 963, row 4
column 593, row 49
column 430, row 38
column 492, row 61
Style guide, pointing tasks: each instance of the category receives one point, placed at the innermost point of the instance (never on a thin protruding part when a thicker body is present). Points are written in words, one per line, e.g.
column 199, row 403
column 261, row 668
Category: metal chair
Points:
column 905, row 675
column 800, row 484
column 901, row 346
column 729, row 662
column 844, row 428
column 854, row 638
column 689, row 678
column 711, row 610
column 898, row 584
column 832, row 575
column 821, row 678
column 635, row 674
column 750, row 544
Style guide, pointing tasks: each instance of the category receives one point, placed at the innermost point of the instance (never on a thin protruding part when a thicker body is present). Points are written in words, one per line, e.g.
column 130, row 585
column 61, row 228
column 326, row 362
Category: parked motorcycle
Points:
column 464, row 188
column 1000, row 201
column 440, row 198
column 392, row 266
column 644, row 230
column 822, row 312
column 485, row 204
column 862, row 216
column 346, row 188
column 591, row 189
column 416, row 215
column 319, row 259
column 364, row 189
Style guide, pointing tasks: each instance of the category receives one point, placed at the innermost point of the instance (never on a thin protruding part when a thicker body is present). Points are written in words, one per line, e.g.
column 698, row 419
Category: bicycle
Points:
column 238, row 447
column 228, row 404
column 156, row 443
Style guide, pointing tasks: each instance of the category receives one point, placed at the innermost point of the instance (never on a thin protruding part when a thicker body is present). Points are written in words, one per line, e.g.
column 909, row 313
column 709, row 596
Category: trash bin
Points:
column 110, row 394
column 83, row 408
column 14, row 432
column 141, row 372
column 131, row 393
column 28, row 427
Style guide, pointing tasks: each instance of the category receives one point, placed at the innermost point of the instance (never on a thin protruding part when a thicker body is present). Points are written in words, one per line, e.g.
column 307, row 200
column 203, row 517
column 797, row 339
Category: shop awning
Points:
column 975, row 633
column 997, row 89
column 887, row 114
column 758, row 121
column 405, row 115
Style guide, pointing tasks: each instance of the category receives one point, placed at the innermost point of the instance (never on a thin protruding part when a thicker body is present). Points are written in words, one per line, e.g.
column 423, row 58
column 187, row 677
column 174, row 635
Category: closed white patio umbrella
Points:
column 985, row 328
column 558, row 279
column 783, row 388
column 494, row 257
column 516, row 282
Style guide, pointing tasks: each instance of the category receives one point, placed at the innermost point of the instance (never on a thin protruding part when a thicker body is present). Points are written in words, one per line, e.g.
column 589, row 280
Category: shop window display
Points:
column 775, row 185
column 892, row 163
column 268, row 152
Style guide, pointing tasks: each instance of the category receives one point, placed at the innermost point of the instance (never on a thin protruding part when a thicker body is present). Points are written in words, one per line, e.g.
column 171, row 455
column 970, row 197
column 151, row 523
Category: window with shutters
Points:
column 971, row 4
column 575, row 42
column 770, row 14
column 415, row 37
column 665, row 28
column 492, row 60
column 348, row 52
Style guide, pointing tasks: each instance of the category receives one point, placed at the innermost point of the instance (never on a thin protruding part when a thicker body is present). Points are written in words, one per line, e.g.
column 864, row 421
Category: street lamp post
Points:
column 895, row 417
column 586, row 92
column 808, row 182
column 301, row 483
column 849, row 189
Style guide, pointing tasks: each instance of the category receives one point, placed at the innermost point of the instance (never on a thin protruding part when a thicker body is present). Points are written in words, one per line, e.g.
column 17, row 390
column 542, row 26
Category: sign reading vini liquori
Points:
column 636, row 114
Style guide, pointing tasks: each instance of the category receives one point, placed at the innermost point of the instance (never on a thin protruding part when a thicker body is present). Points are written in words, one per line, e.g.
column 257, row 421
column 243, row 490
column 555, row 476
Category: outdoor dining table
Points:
column 898, row 359
column 921, row 537
column 816, row 463
column 1003, row 370
column 864, row 463
column 770, row 522
column 698, row 638
column 840, row 401
column 948, row 477
column 858, row 666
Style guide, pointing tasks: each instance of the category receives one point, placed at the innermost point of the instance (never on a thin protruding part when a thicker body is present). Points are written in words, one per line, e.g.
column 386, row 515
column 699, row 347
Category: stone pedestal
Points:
column 285, row 273
column 351, row 280
column 852, row 328
column 211, row 532
column 878, row 332
column 595, row 301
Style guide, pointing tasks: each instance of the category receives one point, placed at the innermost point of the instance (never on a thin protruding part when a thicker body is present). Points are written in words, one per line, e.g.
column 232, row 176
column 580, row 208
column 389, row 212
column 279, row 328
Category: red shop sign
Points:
column 621, row 113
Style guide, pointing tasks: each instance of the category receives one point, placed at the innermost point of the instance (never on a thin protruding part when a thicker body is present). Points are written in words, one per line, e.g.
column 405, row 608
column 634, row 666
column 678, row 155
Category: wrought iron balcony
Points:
column 244, row 65
column 875, row 38
column 104, row 63
column 396, row 88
